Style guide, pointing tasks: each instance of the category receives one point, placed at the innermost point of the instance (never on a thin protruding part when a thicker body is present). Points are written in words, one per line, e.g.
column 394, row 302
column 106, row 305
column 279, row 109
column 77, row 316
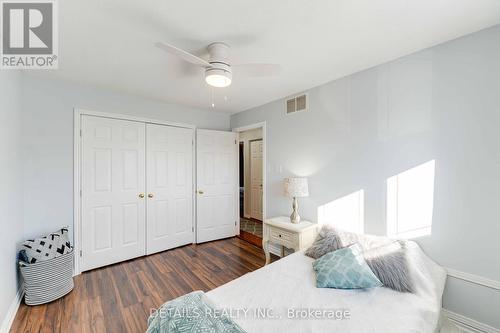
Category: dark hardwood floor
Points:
column 118, row 298
column 251, row 238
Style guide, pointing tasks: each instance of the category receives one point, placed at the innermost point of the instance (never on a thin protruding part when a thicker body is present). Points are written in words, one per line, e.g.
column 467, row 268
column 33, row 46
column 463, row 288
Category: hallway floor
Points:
column 251, row 226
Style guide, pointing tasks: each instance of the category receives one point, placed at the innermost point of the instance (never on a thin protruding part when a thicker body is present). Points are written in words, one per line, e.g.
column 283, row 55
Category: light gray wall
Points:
column 48, row 141
column 443, row 104
column 11, row 198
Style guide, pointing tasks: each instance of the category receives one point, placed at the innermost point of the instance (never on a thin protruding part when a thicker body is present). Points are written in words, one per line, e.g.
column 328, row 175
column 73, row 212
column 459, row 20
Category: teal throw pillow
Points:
column 344, row 269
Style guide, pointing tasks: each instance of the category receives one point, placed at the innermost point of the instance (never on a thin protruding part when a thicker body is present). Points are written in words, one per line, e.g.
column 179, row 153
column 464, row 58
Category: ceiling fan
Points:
column 218, row 69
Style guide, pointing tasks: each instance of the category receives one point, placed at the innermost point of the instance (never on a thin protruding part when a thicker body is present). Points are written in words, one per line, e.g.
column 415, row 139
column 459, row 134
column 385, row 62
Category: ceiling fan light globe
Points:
column 218, row 78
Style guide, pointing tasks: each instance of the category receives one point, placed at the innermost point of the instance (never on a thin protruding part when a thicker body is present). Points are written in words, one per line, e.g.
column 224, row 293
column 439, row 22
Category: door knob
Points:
column 150, row 195
column 200, row 192
column 141, row 195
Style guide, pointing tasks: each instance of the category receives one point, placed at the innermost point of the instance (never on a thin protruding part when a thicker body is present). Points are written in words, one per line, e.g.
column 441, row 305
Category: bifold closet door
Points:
column 217, row 209
column 256, row 169
column 113, row 188
column 169, row 177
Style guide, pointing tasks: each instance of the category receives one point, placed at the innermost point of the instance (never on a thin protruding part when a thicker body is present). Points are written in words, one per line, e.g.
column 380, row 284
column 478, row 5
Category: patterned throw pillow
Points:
column 48, row 247
column 344, row 269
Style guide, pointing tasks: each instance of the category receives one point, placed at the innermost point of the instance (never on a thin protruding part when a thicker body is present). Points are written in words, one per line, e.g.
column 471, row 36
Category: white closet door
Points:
column 217, row 211
column 113, row 184
column 256, row 179
column 170, row 187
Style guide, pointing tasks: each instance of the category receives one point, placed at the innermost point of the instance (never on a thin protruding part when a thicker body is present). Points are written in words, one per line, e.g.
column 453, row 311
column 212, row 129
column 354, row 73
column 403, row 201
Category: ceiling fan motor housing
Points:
column 219, row 73
column 219, row 57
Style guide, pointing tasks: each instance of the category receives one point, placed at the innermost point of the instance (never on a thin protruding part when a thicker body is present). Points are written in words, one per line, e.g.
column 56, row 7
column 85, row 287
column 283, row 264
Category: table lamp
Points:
column 295, row 187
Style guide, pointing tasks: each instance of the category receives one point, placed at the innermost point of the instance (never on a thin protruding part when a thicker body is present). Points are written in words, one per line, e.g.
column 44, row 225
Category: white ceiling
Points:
column 109, row 43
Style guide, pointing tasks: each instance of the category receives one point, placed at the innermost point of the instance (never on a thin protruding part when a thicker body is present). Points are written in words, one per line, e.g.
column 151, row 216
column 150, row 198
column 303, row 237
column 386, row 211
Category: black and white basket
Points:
column 46, row 281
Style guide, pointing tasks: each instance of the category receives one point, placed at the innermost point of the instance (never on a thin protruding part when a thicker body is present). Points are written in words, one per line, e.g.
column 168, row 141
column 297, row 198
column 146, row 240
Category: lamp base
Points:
column 295, row 217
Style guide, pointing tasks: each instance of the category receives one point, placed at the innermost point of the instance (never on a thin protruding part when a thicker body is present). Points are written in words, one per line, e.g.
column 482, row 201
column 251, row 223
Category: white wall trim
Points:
column 467, row 324
column 476, row 279
column 264, row 164
column 131, row 118
column 78, row 113
column 76, row 189
column 12, row 311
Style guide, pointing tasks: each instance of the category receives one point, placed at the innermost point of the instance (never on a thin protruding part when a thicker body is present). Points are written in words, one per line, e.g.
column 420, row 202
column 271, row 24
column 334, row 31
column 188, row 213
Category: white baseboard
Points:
column 11, row 312
column 476, row 279
column 468, row 325
column 464, row 323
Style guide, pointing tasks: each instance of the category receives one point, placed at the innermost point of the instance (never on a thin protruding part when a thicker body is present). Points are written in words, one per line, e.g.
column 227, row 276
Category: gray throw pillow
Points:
column 390, row 265
column 330, row 239
column 326, row 241
column 386, row 257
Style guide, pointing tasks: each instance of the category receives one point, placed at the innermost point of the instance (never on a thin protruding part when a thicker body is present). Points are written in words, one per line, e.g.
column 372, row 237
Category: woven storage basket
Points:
column 46, row 281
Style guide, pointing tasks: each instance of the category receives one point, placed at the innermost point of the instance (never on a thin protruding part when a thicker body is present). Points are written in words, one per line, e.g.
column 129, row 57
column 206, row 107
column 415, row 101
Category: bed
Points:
column 279, row 298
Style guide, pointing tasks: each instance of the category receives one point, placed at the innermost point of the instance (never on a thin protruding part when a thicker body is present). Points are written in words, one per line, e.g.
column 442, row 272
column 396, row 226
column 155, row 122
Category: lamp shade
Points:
column 296, row 187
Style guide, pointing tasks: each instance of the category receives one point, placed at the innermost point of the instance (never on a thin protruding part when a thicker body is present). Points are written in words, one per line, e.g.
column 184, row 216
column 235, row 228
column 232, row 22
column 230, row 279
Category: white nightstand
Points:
column 281, row 231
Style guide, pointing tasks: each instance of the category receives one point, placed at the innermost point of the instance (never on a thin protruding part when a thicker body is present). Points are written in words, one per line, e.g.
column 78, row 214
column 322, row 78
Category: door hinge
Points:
column 192, row 229
column 80, row 192
column 235, row 141
column 80, row 253
column 80, row 133
column 235, row 222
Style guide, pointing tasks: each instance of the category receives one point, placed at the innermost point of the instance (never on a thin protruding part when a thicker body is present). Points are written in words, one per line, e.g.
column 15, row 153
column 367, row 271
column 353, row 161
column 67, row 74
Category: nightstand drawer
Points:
column 283, row 236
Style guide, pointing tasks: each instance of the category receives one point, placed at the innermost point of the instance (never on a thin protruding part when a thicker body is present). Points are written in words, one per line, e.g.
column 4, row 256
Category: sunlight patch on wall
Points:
column 410, row 200
column 345, row 213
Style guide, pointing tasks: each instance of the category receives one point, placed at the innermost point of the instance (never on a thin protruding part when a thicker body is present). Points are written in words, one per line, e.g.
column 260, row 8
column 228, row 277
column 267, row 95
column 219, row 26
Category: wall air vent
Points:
column 296, row 103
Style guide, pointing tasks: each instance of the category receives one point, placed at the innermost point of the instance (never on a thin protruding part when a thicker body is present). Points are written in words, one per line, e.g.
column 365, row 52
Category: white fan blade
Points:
column 186, row 56
column 257, row 69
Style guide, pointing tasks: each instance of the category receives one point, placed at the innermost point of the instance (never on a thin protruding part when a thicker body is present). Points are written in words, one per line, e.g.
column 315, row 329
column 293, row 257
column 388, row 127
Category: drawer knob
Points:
column 279, row 235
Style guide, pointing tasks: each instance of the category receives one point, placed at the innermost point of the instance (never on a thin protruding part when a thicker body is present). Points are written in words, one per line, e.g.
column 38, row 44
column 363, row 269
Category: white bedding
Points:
column 290, row 284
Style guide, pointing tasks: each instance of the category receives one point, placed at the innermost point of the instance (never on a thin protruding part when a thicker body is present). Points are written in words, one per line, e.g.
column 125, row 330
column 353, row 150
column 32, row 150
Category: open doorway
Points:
column 251, row 183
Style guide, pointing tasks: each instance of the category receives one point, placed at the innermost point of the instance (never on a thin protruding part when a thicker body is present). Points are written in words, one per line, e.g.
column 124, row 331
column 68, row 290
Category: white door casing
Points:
column 217, row 192
column 256, row 170
column 169, row 161
column 113, row 187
